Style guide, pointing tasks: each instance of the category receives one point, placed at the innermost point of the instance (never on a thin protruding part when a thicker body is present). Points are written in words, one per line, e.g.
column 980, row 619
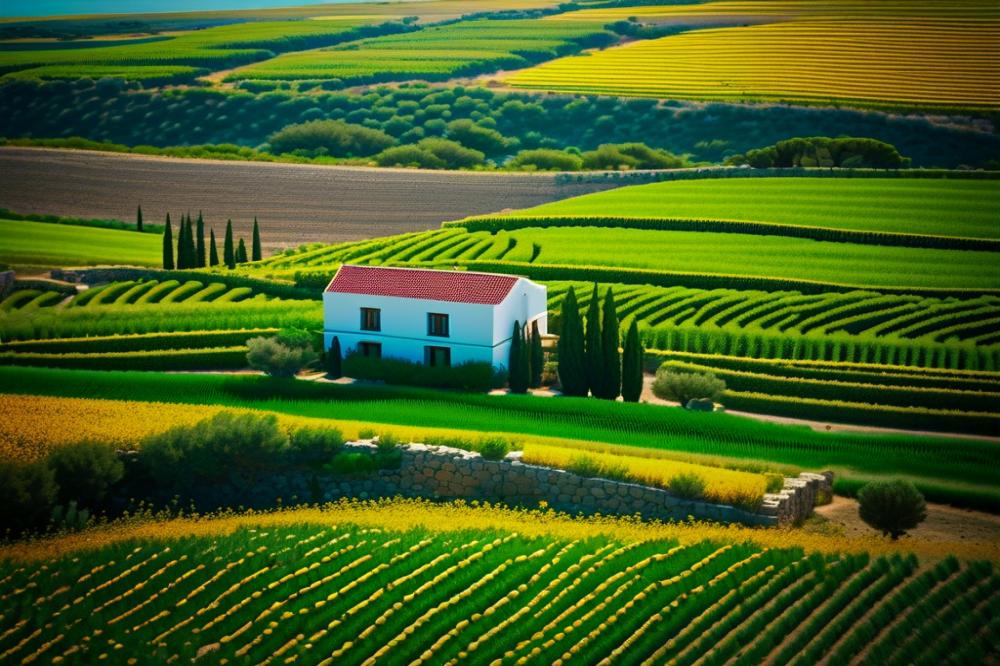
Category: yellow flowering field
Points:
column 725, row 486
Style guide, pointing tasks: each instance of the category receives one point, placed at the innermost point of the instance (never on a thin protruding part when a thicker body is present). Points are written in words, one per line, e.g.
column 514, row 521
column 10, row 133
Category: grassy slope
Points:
column 934, row 207
column 947, row 470
column 771, row 256
column 42, row 244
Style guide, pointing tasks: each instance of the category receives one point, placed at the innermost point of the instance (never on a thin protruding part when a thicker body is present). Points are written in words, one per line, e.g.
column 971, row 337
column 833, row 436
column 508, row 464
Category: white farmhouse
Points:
column 429, row 316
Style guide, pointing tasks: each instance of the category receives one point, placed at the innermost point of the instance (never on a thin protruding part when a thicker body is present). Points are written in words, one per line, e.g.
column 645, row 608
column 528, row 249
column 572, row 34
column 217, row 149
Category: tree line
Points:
column 590, row 360
column 526, row 360
column 192, row 250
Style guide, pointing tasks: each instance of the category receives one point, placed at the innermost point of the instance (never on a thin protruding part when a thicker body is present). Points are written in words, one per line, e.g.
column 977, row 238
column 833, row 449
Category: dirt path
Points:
column 944, row 523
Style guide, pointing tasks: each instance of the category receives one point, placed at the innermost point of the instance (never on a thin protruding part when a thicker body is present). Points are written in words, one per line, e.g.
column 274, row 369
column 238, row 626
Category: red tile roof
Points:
column 433, row 285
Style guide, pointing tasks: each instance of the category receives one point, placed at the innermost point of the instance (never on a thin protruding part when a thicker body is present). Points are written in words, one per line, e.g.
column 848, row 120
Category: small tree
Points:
column 516, row 375
column 334, row 360
column 241, row 253
column 168, row 246
column 632, row 357
column 594, row 354
column 609, row 386
column 200, row 258
column 213, row 252
column 85, row 472
column 138, row 218
column 228, row 250
column 686, row 386
column 256, row 253
column 537, row 356
column 572, row 368
column 891, row 507
column 181, row 244
column 283, row 355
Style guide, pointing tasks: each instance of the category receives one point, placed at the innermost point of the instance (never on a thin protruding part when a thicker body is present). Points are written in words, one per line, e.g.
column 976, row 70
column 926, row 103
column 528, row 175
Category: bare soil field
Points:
column 295, row 203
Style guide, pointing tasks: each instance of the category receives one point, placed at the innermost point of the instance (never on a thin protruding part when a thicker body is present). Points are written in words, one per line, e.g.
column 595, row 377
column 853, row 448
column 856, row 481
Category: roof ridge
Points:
column 431, row 284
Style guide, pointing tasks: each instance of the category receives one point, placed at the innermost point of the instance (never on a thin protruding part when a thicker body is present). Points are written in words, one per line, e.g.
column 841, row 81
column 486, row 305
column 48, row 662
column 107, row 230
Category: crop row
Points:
column 204, row 358
column 351, row 595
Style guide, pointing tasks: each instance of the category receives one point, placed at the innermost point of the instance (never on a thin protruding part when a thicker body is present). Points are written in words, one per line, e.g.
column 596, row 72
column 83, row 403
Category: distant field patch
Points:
column 933, row 207
column 438, row 52
column 931, row 54
column 43, row 244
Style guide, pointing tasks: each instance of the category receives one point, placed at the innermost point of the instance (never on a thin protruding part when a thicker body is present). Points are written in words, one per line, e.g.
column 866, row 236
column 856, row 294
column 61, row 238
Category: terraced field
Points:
column 41, row 244
column 923, row 54
column 353, row 594
column 183, row 56
column 434, row 53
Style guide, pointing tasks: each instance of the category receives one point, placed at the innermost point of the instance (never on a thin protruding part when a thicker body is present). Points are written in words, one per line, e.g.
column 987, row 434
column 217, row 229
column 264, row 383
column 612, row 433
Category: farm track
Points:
column 296, row 203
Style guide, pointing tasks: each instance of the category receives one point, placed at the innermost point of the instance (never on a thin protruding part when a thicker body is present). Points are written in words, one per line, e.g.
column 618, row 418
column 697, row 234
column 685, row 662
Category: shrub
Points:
column 387, row 441
column 586, row 466
column 891, row 507
column 684, row 386
column 366, row 433
column 85, row 472
column 546, row 159
column 315, row 445
column 631, row 156
column 28, row 492
column 331, row 137
column 687, row 485
column 212, row 450
column 494, row 447
column 281, row 356
column 409, row 156
column 453, row 154
column 350, row 462
column 469, row 134
column 473, row 376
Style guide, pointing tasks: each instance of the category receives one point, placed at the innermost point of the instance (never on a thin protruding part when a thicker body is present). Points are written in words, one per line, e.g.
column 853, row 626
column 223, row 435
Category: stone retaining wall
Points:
column 438, row 472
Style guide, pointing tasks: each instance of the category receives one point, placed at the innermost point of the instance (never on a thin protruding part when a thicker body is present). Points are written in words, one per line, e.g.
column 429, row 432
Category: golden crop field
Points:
column 932, row 54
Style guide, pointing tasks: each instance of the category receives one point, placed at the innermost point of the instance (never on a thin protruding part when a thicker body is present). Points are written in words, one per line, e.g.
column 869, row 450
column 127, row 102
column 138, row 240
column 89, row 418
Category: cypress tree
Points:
column 572, row 368
column 594, row 355
column 228, row 252
column 213, row 252
column 138, row 218
column 632, row 365
column 256, row 255
column 537, row 356
column 334, row 367
column 168, row 246
column 200, row 247
column 190, row 249
column 182, row 244
column 241, row 253
column 611, row 361
column 516, row 377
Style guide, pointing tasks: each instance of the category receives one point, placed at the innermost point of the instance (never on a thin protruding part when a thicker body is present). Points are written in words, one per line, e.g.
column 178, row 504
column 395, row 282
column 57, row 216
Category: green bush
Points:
column 350, row 462
column 892, row 507
column 315, row 445
column 28, row 493
column 546, row 159
column 631, row 156
column 473, row 376
column 284, row 355
column 85, row 472
column 409, row 155
column 213, row 450
column 330, row 137
column 687, row 485
column 387, row 441
column 684, row 386
column 588, row 467
column 493, row 447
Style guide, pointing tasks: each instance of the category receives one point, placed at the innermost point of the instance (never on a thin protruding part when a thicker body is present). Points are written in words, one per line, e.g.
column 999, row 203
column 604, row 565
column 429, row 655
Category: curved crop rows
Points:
column 353, row 595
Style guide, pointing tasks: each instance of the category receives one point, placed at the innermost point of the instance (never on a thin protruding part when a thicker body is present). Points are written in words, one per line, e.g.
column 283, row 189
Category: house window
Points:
column 370, row 349
column 437, row 325
column 371, row 319
column 437, row 357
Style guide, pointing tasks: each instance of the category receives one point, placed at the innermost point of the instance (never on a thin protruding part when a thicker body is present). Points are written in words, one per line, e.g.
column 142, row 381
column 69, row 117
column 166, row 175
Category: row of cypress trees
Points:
column 526, row 358
column 589, row 359
column 191, row 247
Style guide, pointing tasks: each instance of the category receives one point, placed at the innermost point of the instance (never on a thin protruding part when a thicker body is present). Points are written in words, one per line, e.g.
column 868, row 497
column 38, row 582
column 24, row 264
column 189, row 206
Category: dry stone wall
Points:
column 438, row 472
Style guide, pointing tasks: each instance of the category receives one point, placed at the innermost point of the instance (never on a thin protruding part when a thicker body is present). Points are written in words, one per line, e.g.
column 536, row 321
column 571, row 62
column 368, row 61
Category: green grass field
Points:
column 40, row 244
column 948, row 470
column 918, row 206
column 241, row 591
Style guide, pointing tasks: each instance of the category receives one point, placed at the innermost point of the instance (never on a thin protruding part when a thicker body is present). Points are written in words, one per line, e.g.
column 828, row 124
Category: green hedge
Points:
column 834, row 411
column 465, row 376
column 187, row 340
column 257, row 285
column 888, row 395
column 843, row 372
column 606, row 274
column 217, row 358
column 495, row 224
column 147, row 227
